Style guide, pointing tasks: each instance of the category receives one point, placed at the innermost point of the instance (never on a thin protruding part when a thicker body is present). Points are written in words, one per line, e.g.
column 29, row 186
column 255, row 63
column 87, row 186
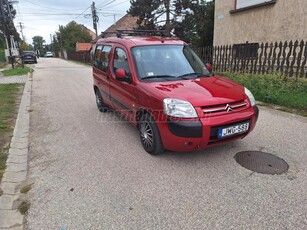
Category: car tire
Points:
column 102, row 107
column 150, row 135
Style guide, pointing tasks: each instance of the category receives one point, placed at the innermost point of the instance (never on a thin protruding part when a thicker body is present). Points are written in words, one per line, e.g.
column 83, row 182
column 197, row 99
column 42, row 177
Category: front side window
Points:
column 167, row 62
column 121, row 61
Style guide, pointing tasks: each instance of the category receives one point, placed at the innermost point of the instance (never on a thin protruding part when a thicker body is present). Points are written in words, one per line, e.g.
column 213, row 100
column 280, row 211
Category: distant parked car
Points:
column 48, row 54
column 29, row 57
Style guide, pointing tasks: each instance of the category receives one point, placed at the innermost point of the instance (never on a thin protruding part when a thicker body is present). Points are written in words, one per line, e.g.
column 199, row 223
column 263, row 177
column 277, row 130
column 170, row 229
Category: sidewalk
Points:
column 17, row 162
column 13, row 79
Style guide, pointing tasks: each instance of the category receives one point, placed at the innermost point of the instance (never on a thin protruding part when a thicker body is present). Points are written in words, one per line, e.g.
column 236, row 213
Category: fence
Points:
column 79, row 56
column 288, row 58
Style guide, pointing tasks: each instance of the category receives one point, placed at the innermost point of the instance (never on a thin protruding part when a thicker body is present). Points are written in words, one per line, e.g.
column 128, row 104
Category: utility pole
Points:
column 6, row 21
column 21, row 27
column 51, row 43
column 168, row 23
column 95, row 18
column 61, row 43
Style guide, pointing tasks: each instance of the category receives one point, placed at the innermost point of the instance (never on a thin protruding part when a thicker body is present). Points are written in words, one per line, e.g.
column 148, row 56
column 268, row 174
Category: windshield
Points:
column 167, row 62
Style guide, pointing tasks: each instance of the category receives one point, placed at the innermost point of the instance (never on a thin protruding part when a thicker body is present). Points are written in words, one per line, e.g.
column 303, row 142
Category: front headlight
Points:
column 250, row 96
column 178, row 108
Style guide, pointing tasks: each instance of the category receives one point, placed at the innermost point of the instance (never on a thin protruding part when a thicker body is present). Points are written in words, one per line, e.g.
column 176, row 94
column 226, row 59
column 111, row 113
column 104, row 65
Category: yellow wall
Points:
column 283, row 21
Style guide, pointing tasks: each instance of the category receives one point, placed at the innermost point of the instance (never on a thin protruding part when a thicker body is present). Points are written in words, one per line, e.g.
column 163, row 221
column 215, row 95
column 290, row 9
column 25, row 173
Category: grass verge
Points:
column 16, row 71
column 291, row 94
column 2, row 64
column 24, row 207
column 9, row 100
column 26, row 189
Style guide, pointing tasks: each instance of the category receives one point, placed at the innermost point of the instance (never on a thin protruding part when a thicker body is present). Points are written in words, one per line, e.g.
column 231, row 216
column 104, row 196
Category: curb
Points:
column 16, row 165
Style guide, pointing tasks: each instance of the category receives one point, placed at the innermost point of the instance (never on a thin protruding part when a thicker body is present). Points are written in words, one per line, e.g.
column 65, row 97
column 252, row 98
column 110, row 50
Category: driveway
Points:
column 90, row 171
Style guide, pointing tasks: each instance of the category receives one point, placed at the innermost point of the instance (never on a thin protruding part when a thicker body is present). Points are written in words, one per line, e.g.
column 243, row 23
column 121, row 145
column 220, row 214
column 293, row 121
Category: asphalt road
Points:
column 90, row 171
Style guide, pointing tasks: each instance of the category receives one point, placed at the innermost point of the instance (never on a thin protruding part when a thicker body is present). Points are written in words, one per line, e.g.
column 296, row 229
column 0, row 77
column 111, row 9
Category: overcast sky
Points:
column 43, row 17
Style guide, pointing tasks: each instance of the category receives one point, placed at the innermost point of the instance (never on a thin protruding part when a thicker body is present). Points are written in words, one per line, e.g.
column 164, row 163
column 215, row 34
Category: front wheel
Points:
column 150, row 136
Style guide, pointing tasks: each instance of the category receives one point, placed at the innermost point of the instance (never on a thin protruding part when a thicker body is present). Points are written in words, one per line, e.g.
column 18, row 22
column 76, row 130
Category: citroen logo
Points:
column 228, row 108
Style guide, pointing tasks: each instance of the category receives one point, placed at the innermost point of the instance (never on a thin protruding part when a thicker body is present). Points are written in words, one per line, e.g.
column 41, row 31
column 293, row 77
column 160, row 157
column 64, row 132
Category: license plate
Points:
column 232, row 130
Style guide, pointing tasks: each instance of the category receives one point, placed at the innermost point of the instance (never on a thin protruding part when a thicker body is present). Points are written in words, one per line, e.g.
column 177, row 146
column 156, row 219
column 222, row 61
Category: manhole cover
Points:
column 261, row 162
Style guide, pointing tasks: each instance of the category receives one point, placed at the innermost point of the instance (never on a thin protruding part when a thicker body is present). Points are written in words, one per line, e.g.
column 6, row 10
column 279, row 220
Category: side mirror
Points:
column 209, row 67
column 121, row 75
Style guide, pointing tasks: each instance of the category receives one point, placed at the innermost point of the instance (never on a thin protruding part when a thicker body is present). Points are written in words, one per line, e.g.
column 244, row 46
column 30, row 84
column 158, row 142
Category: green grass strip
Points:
column 8, row 110
column 16, row 71
column 275, row 89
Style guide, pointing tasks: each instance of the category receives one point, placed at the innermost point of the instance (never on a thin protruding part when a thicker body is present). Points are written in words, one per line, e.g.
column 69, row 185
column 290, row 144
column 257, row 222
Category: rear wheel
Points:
column 102, row 107
column 150, row 136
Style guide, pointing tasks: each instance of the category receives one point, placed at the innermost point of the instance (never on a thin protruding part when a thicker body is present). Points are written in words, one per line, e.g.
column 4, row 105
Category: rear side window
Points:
column 97, row 55
column 101, row 57
column 28, row 53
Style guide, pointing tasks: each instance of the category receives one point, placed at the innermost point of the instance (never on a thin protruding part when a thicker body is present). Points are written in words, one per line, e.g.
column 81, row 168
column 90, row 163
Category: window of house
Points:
column 101, row 57
column 121, row 61
column 246, row 50
column 248, row 4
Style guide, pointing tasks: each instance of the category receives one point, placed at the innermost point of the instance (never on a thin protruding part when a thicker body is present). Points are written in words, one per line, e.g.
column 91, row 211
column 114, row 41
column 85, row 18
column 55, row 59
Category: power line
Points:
column 99, row 4
column 82, row 13
column 117, row 4
column 46, row 6
column 40, row 14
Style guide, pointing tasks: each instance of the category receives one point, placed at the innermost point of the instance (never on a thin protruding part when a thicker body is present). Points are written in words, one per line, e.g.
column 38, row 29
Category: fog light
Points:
column 187, row 144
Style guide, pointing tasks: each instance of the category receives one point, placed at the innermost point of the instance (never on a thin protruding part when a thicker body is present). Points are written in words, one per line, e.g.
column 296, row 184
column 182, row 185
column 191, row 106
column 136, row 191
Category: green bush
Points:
column 274, row 89
column 2, row 55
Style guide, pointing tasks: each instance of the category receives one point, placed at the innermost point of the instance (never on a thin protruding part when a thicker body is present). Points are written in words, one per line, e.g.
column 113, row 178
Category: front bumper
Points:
column 185, row 136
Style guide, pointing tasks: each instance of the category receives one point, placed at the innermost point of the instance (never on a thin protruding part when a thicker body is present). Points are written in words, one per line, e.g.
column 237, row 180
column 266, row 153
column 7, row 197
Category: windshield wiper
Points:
column 193, row 75
column 158, row 76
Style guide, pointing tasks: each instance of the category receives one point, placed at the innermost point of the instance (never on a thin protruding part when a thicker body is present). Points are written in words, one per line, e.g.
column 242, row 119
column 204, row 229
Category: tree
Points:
column 7, row 15
column 146, row 11
column 69, row 35
column 191, row 20
column 197, row 27
column 38, row 44
column 24, row 46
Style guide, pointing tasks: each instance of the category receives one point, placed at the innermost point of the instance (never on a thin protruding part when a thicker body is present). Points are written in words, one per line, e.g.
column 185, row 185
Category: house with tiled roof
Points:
column 127, row 22
column 83, row 47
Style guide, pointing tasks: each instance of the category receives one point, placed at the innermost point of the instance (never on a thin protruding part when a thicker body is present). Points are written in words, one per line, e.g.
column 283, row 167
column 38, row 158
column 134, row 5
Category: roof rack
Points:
column 104, row 34
column 120, row 33
column 162, row 33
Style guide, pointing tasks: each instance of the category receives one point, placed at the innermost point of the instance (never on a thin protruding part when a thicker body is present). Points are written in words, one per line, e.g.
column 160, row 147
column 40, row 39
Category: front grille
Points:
column 224, row 108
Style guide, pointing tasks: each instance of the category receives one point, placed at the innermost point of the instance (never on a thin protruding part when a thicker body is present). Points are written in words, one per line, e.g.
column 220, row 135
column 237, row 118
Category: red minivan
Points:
column 161, row 85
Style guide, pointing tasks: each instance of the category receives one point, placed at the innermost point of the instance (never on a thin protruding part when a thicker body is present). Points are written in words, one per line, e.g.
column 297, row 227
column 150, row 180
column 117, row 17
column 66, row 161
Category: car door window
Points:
column 121, row 61
column 97, row 56
column 105, row 58
column 101, row 57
